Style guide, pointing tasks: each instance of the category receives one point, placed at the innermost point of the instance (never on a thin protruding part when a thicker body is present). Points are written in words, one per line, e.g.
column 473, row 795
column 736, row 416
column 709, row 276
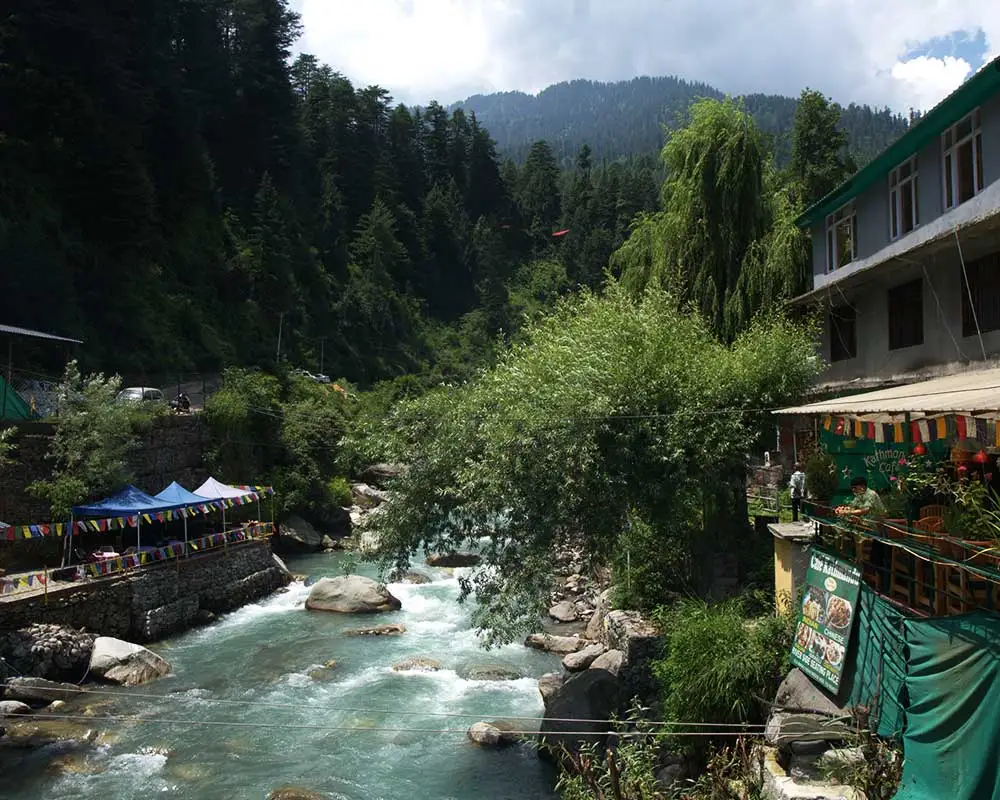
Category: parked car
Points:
column 317, row 377
column 138, row 394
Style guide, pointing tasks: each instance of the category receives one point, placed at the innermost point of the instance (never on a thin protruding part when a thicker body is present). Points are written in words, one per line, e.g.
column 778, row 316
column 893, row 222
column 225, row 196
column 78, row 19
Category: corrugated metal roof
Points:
column 970, row 392
column 16, row 331
column 966, row 97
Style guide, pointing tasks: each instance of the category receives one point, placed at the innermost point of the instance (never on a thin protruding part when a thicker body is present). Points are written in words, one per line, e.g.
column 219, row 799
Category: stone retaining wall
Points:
column 157, row 601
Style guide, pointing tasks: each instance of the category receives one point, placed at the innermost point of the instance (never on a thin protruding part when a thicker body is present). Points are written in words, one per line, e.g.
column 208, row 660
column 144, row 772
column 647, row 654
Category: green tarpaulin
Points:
column 934, row 684
column 952, row 737
column 12, row 406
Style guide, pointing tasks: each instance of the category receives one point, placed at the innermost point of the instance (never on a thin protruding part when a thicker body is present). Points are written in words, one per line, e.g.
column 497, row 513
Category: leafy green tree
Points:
column 820, row 159
column 94, row 437
column 7, row 447
column 608, row 404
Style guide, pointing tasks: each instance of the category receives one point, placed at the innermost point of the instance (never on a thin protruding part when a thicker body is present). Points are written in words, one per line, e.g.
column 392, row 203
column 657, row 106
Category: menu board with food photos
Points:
column 824, row 627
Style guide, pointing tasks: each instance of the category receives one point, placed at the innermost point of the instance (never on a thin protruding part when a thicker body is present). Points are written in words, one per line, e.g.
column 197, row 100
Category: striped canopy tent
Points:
column 175, row 493
column 129, row 502
column 216, row 490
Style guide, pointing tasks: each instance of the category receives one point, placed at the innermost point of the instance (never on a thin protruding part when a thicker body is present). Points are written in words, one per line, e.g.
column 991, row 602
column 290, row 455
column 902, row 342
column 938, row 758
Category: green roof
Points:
column 964, row 99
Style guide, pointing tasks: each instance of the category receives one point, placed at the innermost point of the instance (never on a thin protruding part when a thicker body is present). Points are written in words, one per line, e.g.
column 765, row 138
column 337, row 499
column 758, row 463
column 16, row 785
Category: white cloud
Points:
column 853, row 50
column 930, row 80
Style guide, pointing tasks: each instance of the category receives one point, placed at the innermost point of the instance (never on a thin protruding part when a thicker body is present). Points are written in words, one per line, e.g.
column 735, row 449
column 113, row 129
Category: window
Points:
column 903, row 214
column 843, row 333
column 906, row 315
column 963, row 160
column 984, row 287
column 841, row 237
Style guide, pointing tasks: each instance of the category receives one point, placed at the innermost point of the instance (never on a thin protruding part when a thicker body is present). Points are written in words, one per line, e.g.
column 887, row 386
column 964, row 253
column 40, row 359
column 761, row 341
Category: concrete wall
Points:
column 942, row 315
column 156, row 601
column 873, row 205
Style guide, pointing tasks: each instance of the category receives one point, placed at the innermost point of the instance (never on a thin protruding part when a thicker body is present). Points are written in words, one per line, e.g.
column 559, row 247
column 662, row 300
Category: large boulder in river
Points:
column 453, row 560
column 351, row 594
column 10, row 708
column 125, row 663
column 38, row 692
column 492, row 734
column 578, row 713
column 612, row 661
column 417, row 664
column 380, row 475
column 560, row 645
column 595, row 627
column 489, row 672
column 377, row 630
column 296, row 793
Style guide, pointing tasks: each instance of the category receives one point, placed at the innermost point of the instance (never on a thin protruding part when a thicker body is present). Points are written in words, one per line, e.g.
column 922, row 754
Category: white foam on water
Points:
column 138, row 764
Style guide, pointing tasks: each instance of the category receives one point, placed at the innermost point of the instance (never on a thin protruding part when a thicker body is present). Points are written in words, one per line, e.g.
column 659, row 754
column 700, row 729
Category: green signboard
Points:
column 824, row 628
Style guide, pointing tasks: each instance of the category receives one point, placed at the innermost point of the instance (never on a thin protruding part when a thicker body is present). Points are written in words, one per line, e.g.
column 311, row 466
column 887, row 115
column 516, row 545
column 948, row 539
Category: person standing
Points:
column 797, row 486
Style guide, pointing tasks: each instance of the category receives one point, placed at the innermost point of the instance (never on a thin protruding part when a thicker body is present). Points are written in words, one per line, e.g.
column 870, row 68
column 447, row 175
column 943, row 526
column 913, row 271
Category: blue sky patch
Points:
column 958, row 44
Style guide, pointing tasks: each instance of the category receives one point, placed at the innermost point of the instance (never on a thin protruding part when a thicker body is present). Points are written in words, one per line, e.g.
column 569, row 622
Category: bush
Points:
column 340, row 492
column 821, row 475
column 720, row 665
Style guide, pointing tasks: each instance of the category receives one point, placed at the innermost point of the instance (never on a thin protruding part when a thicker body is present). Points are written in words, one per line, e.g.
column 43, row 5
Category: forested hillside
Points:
column 626, row 118
column 174, row 188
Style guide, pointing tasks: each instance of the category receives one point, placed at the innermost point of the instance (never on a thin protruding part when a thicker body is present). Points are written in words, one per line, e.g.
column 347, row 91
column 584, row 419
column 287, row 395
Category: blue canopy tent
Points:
column 129, row 502
column 175, row 493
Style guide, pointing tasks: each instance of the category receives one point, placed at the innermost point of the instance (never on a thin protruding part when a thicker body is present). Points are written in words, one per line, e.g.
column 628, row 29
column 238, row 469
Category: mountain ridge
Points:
column 618, row 119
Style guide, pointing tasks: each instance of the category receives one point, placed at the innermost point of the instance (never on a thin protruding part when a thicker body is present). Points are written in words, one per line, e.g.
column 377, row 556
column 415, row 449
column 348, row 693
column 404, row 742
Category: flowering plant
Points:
column 972, row 506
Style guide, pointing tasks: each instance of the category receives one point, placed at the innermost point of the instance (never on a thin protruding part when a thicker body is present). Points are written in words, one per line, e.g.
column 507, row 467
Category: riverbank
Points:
column 250, row 706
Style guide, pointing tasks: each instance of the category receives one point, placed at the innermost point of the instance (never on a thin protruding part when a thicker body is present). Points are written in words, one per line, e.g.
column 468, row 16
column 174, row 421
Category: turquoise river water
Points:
column 240, row 715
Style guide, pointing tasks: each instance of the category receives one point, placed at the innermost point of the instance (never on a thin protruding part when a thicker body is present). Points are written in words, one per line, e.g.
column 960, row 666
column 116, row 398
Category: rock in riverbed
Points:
column 377, row 630
column 581, row 659
column 351, row 594
column 10, row 708
column 418, row 665
column 560, row 645
column 492, row 734
column 453, row 560
column 39, row 692
column 125, row 663
column 489, row 672
column 563, row 612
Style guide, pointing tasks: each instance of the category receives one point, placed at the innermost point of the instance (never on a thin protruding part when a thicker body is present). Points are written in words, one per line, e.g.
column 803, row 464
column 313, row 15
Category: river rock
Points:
column 492, row 734
column 453, row 560
column 415, row 577
column 381, row 475
column 125, row 663
column 590, row 698
column 351, row 594
column 549, row 684
column 38, row 692
column 10, row 708
column 563, row 612
column 489, row 672
column 595, row 627
column 581, row 659
column 296, row 793
column 611, row 661
column 641, row 643
column 41, row 650
column 325, row 672
column 365, row 495
column 560, row 645
column 377, row 630
column 299, row 535
column 418, row 665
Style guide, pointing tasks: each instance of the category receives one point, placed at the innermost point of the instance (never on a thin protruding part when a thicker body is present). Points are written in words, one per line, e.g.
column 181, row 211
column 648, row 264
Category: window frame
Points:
column 895, row 332
column 846, row 214
column 849, row 348
column 950, row 144
column 985, row 302
column 900, row 181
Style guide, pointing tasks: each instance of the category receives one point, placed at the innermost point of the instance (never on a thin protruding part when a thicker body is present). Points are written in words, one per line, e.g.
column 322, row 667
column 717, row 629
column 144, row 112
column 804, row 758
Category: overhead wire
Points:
column 355, row 710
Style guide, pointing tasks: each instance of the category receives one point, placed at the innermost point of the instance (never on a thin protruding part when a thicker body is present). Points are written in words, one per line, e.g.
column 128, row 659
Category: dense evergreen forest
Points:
column 174, row 188
column 624, row 118
column 182, row 194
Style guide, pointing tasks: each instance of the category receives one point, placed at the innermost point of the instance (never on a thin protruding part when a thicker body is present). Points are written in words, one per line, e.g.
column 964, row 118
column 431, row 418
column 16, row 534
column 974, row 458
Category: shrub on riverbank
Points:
column 610, row 406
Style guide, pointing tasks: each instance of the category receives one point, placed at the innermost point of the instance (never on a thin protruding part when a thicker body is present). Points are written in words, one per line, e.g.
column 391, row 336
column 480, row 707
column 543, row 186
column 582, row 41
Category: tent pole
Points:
column 68, row 549
column 138, row 539
column 185, row 535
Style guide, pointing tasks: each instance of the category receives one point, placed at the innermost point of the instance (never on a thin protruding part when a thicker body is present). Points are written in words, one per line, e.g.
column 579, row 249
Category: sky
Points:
column 898, row 53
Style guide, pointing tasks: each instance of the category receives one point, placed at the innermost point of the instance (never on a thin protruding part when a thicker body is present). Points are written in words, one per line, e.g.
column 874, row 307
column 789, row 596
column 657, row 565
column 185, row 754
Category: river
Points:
column 248, row 718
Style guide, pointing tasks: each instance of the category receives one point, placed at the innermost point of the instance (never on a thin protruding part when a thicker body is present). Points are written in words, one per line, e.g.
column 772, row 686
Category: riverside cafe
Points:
column 133, row 508
column 919, row 649
column 158, row 522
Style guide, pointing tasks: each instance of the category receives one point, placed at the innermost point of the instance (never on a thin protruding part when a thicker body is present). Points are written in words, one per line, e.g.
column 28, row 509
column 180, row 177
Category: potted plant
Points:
column 821, row 479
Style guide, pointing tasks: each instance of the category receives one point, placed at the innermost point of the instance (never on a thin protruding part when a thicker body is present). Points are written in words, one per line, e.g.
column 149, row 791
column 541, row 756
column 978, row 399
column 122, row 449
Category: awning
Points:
column 175, row 493
column 127, row 502
column 975, row 392
column 217, row 490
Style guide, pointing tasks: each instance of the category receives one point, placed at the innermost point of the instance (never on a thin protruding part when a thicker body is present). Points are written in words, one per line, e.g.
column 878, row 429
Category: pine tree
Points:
column 820, row 161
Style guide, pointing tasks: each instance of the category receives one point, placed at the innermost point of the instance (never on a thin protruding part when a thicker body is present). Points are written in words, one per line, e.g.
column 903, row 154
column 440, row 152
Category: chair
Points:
column 932, row 511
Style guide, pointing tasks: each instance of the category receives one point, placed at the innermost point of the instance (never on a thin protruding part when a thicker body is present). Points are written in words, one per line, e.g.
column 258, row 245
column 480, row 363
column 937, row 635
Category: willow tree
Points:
column 713, row 243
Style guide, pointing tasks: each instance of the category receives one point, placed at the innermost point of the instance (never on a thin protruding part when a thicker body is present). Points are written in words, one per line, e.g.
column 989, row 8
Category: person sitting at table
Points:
column 865, row 502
